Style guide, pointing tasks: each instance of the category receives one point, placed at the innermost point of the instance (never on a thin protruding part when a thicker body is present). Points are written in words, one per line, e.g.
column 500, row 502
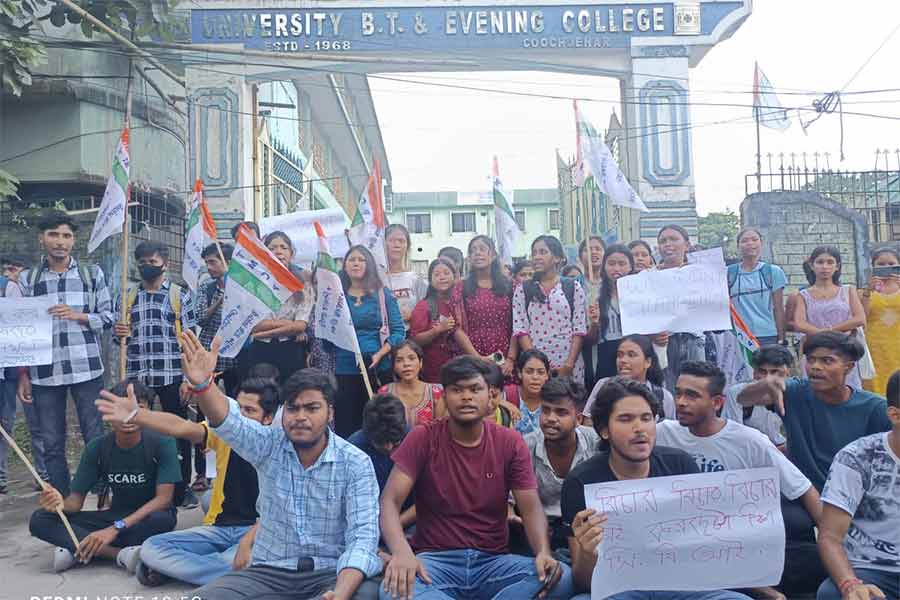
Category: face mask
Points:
column 149, row 272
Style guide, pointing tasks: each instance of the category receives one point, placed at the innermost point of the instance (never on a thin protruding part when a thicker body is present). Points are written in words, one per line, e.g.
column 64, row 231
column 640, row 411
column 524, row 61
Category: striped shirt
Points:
column 328, row 512
column 76, row 346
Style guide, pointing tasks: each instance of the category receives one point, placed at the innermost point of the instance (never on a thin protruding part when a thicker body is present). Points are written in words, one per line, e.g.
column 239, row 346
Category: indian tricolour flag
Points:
column 111, row 217
column 746, row 340
column 367, row 227
column 504, row 219
column 594, row 158
column 256, row 287
column 199, row 232
column 332, row 314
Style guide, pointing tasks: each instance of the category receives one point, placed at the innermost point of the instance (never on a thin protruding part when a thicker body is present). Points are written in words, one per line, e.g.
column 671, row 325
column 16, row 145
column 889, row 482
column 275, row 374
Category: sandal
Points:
column 201, row 484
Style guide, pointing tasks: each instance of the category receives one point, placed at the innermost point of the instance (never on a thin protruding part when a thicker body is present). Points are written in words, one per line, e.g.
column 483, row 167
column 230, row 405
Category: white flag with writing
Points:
column 111, row 217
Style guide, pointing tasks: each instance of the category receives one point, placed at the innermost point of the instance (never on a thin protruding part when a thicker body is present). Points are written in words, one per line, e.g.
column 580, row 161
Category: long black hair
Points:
column 818, row 251
column 500, row 283
column 654, row 373
column 606, row 288
column 371, row 281
column 431, row 296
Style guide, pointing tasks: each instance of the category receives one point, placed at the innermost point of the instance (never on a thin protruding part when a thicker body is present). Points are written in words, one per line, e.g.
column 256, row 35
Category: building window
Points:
column 553, row 218
column 420, row 267
column 418, row 222
column 462, row 222
column 520, row 219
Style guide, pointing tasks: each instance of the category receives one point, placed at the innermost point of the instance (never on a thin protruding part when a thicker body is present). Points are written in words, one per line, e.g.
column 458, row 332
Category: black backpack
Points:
column 533, row 290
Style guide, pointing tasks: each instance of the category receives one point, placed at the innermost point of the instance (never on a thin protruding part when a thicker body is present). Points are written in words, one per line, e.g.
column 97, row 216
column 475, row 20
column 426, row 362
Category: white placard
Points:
column 710, row 531
column 210, row 457
column 713, row 256
column 26, row 331
column 299, row 227
column 690, row 299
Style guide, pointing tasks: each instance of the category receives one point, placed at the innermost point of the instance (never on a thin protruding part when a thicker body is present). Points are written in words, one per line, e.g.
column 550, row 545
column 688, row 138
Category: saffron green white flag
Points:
column 332, row 313
column 504, row 220
column 199, row 231
column 111, row 217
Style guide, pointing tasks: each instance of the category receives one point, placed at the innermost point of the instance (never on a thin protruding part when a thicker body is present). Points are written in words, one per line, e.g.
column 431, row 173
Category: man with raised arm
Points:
column 318, row 496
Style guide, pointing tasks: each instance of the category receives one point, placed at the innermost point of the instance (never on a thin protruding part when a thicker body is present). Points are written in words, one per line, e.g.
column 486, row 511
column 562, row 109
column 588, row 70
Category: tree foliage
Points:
column 720, row 229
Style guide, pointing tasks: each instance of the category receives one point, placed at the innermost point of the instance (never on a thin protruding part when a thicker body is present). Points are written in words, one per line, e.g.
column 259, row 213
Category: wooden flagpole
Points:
column 365, row 373
column 123, row 343
column 59, row 511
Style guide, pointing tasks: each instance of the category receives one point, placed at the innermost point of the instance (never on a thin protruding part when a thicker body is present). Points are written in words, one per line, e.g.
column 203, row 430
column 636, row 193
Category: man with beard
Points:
column 624, row 416
column 318, row 495
column 462, row 470
column 154, row 315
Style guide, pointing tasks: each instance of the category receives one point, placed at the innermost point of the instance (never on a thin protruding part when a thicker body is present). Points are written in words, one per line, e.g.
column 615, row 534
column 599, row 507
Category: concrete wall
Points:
column 794, row 223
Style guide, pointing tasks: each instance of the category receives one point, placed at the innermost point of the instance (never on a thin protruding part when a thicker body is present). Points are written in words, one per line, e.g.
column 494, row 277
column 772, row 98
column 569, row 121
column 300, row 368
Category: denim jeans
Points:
column 50, row 405
column 887, row 582
column 198, row 555
column 476, row 575
column 8, row 420
column 722, row 595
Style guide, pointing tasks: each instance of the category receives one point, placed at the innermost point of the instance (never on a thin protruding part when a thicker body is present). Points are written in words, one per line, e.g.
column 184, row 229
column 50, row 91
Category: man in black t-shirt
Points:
column 140, row 468
column 224, row 542
column 624, row 416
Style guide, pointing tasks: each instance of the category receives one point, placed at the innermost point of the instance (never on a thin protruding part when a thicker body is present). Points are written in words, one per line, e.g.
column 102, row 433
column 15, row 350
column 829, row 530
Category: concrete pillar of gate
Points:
column 221, row 141
column 657, row 124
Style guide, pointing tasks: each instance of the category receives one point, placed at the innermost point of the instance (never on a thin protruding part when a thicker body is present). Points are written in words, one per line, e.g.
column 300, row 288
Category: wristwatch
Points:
column 119, row 525
column 498, row 358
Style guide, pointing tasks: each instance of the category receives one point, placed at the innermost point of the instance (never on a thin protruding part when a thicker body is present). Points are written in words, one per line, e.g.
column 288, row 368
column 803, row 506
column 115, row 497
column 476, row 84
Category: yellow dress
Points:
column 883, row 338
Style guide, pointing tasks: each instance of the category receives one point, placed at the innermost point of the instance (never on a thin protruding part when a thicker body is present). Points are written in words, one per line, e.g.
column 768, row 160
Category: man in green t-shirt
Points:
column 141, row 469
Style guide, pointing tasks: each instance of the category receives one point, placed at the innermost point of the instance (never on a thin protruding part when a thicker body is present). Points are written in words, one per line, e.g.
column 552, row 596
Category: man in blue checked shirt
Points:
column 318, row 495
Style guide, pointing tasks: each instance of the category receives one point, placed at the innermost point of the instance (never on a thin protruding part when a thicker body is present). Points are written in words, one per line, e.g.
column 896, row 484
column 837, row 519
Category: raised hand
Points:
column 116, row 409
column 198, row 363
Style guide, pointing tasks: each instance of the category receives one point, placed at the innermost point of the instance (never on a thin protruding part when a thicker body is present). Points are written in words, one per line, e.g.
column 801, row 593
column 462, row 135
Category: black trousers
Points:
column 803, row 568
column 351, row 400
column 170, row 399
column 288, row 356
column 47, row 526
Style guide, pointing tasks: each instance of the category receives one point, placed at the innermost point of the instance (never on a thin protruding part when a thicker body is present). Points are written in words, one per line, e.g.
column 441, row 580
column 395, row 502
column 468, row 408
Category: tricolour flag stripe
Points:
column 281, row 273
column 250, row 282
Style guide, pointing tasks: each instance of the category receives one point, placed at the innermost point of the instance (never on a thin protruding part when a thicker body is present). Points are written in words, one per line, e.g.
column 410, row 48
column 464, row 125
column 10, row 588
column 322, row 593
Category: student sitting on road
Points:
column 202, row 554
column 140, row 467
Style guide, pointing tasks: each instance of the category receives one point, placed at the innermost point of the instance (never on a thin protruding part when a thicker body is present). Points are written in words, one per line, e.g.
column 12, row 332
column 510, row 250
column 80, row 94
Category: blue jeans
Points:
column 723, row 595
column 50, row 406
column 477, row 575
column 8, row 420
column 198, row 555
column 887, row 582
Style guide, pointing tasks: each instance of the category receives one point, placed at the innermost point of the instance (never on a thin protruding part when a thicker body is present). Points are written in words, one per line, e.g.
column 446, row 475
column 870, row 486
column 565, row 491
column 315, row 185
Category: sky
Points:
column 443, row 139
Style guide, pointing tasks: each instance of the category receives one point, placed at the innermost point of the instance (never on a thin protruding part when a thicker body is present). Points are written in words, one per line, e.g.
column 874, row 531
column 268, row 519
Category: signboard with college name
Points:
column 441, row 27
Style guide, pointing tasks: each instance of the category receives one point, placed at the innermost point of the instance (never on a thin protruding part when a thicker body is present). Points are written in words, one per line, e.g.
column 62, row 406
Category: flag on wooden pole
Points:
column 199, row 231
column 256, row 287
column 367, row 227
column 594, row 158
column 767, row 108
column 111, row 217
column 746, row 340
column 504, row 219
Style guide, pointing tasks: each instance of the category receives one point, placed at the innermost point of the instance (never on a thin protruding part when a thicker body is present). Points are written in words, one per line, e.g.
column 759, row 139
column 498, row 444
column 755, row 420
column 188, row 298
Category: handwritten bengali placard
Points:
column 709, row 531
column 26, row 332
column 690, row 299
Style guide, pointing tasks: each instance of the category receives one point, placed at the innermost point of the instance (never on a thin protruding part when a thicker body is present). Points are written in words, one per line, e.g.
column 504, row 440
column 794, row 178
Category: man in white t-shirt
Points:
column 772, row 360
column 717, row 444
column 859, row 532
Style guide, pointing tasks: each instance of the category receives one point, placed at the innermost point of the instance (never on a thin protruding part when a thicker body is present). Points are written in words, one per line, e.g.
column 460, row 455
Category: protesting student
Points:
column 773, row 361
column 82, row 312
column 605, row 320
column 318, row 502
column 140, row 468
column 455, row 256
column 407, row 285
column 859, row 533
column 550, row 312
column 462, row 470
column 643, row 255
column 483, row 305
column 423, row 401
column 881, row 303
column 432, row 325
column 155, row 314
column 720, row 445
column 674, row 243
column 522, row 272
column 379, row 327
column 826, row 305
column 384, row 429
column 252, row 229
column 523, row 400
column 624, row 416
column 558, row 446
column 757, row 289
column 498, row 410
column 590, row 254
column 202, row 554
column 282, row 340
column 636, row 360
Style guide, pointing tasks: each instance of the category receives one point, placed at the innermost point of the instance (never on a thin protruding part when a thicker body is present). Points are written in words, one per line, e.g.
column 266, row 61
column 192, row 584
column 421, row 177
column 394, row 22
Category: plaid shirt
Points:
column 328, row 512
column 206, row 296
column 76, row 347
column 154, row 353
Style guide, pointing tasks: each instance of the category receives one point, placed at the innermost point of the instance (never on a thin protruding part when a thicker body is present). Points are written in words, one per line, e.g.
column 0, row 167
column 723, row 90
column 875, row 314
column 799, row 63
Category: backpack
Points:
column 174, row 301
column 84, row 272
column 765, row 274
column 532, row 290
column 151, row 442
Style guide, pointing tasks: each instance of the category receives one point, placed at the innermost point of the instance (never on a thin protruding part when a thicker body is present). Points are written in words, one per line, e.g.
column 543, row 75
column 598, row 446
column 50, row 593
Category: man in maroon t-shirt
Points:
column 462, row 470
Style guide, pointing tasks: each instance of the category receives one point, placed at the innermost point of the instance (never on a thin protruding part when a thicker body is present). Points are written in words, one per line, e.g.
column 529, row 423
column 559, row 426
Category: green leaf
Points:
column 87, row 29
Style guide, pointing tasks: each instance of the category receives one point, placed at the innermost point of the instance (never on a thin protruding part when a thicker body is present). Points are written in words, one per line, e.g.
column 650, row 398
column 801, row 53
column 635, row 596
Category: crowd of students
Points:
column 502, row 391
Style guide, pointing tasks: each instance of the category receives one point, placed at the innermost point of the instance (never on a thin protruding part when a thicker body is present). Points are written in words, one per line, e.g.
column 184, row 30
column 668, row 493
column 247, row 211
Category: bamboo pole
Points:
column 365, row 373
column 123, row 258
